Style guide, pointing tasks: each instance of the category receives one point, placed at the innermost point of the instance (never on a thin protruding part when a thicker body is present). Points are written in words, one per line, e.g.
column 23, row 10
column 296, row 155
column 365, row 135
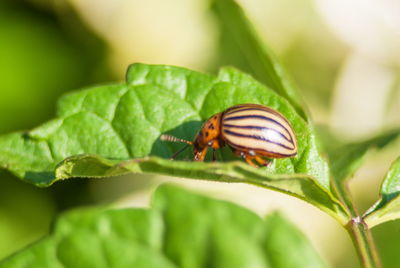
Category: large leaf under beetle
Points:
column 124, row 121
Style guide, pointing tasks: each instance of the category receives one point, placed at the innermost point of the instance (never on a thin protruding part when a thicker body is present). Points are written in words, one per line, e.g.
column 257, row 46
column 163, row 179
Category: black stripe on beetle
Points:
column 256, row 137
column 255, row 108
column 260, row 128
column 234, row 118
column 271, row 111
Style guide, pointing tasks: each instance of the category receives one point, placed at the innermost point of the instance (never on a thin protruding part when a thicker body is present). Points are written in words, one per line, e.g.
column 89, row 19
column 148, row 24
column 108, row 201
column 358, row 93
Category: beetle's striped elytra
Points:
column 252, row 131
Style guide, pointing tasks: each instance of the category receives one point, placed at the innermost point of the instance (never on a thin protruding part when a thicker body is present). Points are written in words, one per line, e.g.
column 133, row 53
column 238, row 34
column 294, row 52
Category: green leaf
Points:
column 202, row 232
column 98, row 238
column 388, row 206
column 241, row 47
column 279, row 232
column 345, row 159
column 124, row 121
column 180, row 230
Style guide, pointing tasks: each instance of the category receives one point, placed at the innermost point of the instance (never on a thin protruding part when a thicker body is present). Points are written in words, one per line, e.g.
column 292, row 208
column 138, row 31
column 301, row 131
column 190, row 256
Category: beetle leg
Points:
column 262, row 161
column 249, row 161
column 247, row 157
column 214, row 156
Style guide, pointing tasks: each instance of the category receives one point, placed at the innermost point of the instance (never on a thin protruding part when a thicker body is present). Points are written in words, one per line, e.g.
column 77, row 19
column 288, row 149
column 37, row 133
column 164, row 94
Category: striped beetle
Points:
column 252, row 131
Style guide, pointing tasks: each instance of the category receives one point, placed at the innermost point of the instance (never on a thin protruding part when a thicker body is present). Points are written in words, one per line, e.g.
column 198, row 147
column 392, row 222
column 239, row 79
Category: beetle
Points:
column 252, row 131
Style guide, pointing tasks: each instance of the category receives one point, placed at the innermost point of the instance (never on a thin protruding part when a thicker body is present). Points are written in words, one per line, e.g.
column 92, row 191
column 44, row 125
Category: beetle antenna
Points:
column 180, row 151
column 174, row 139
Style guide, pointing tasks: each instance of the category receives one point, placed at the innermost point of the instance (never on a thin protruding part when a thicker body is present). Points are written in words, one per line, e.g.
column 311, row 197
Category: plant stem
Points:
column 358, row 230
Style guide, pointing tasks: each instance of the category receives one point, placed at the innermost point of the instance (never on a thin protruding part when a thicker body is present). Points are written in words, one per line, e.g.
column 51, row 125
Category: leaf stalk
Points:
column 358, row 230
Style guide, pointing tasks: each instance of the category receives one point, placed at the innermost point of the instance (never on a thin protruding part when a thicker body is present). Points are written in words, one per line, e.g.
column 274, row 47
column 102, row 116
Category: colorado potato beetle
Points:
column 252, row 131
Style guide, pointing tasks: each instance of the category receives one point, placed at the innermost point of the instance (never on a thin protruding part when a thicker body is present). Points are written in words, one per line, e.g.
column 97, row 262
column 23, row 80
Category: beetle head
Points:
column 208, row 136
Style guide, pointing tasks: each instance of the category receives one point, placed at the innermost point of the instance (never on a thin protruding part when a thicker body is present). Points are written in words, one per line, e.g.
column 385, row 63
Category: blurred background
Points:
column 343, row 55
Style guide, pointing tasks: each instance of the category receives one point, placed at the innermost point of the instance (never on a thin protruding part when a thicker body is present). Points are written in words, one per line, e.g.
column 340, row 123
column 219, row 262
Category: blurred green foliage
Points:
column 25, row 213
column 181, row 229
column 240, row 46
column 41, row 56
column 313, row 68
column 387, row 236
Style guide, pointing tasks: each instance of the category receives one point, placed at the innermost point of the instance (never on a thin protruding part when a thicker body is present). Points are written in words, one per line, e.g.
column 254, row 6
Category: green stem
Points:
column 358, row 230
